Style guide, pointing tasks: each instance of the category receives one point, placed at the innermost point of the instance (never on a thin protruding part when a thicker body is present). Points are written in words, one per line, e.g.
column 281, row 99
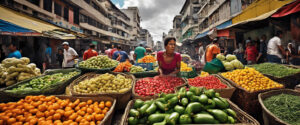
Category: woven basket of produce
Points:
column 284, row 74
column 150, row 88
column 116, row 85
column 249, row 83
column 59, row 109
column 145, row 74
column 99, row 64
column 280, row 107
column 46, row 85
column 180, row 109
column 213, row 82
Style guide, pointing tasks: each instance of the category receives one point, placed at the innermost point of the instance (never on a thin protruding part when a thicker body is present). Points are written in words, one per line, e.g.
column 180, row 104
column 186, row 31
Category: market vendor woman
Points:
column 169, row 60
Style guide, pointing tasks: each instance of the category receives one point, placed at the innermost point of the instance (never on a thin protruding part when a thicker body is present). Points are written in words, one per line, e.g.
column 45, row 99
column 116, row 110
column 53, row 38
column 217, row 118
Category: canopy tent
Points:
column 288, row 9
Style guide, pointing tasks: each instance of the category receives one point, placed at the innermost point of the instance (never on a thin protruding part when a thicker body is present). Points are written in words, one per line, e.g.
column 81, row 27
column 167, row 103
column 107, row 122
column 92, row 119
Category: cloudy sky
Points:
column 157, row 15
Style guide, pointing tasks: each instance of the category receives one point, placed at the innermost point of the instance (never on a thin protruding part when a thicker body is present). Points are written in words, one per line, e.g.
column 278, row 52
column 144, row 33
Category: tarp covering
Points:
column 9, row 27
column 288, row 9
column 25, row 21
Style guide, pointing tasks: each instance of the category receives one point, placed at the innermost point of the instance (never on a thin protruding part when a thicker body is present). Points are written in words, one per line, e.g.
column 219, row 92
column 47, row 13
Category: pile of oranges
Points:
column 124, row 66
column 147, row 59
column 48, row 110
column 251, row 80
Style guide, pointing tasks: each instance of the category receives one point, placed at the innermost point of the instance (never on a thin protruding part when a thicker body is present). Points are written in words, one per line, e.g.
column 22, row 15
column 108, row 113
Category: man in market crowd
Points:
column 262, row 56
column 139, row 52
column 201, row 52
column 60, row 57
column 292, row 55
column 250, row 53
column 69, row 56
column 112, row 51
column 131, row 53
column 47, row 58
column 90, row 52
column 212, row 50
column 13, row 51
column 275, row 49
column 120, row 55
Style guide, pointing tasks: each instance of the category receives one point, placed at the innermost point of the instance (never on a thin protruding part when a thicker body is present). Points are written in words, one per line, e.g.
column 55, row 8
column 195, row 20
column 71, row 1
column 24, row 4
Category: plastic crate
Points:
column 148, row 66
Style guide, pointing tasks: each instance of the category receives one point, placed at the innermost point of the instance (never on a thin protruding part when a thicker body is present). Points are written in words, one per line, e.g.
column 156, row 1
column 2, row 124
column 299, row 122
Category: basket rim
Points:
column 263, row 96
column 82, row 77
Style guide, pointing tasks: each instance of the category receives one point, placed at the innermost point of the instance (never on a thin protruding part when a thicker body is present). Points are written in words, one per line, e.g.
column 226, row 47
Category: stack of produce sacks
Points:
column 230, row 62
column 13, row 70
column 98, row 62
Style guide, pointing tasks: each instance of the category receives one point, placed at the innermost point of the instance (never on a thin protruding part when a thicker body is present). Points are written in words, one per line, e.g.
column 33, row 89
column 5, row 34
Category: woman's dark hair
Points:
column 167, row 40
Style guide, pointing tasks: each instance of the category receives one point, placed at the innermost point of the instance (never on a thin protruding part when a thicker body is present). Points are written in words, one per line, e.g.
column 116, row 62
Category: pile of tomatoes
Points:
column 47, row 110
column 152, row 86
column 209, row 82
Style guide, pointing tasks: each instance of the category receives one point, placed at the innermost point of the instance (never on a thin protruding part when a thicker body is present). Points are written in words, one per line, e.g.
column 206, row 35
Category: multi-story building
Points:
column 177, row 27
column 146, row 37
column 133, row 14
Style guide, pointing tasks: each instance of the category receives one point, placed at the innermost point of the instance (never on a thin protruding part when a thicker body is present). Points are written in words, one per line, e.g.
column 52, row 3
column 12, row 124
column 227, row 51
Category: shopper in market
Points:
column 13, row 51
column 275, row 49
column 112, row 51
column 169, row 60
column 262, row 56
column 292, row 56
column 60, row 57
column 139, row 52
column 201, row 52
column 212, row 50
column 90, row 52
column 250, row 53
column 120, row 55
column 69, row 56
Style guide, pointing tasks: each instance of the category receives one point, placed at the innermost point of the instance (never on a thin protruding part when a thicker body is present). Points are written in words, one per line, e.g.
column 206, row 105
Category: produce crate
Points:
column 122, row 98
column 242, row 117
column 191, row 74
column 145, row 74
column 247, row 101
column 144, row 98
column 269, row 117
column 58, row 88
column 225, row 93
column 148, row 66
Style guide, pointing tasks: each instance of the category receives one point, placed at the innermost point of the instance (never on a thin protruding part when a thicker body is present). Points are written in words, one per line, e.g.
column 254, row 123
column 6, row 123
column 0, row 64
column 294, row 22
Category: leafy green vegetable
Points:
column 286, row 107
column 276, row 70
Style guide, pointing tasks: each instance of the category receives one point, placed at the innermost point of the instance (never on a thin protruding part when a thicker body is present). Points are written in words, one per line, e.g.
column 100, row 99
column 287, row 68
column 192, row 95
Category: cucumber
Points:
column 143, row 109
column 134, row 113
column 173, row 101
column 210, row 104
column 189, row 94
column 193, row 107
column 203, row 119
column 219, row 115
column 210, row 93
column 164, row 122
column 173, row 118
column 154, row 118
column 162, row 100
column 169, row 96
column 132, row 121
column 138, row 103
column 231, row 120
column 149, row 102
column 142, row 120
column 184, row 101
column 224, row 101
column 219, row 103
column 231, row 113
column 195, row 90
column 217, row 94
column 151, row 109
column 161, row 106
column 185, row 119
column 181, row 93
column 203, row 99
column 179, row 109
column 170, row 111
column 194, row 98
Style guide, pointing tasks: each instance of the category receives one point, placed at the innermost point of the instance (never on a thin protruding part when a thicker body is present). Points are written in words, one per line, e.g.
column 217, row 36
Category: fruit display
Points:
column 185, row 68
column 104, row 83
column 156, row 85
column 204, row 74
column 284, row 106
column 251, row 80
column 195, row 106
column 208, row 82
column 147, row 59
column 43, row 82
column 276, row 70
column 13, row 70
column 98, row 62
column 123, row 67
column 136, row 69
column 230, row 62
column 48, row 110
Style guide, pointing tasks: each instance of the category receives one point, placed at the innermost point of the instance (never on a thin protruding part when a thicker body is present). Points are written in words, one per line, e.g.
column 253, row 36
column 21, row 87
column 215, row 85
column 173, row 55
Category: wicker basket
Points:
column 247, row 101
column 242, row 119
column 145, row 74
column 144, row 98
column 225, row 93
column 269, row 117
column 122, row 98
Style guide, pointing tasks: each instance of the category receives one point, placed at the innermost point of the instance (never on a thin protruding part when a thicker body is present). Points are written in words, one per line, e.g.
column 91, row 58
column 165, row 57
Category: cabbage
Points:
column 228, row 66
column 230, row 57
column 237, row 64
column 221, row 57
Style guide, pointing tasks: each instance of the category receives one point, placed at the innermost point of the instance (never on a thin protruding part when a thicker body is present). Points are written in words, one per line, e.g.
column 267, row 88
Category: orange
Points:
column 108, row 104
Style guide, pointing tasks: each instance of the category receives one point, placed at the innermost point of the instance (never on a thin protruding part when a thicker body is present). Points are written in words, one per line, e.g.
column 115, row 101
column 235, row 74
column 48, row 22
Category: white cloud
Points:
column 157, row 15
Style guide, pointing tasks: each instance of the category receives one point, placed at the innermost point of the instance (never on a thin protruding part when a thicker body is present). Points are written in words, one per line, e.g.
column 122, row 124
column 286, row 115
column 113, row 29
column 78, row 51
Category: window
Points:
column 87, row 1
column 24, row 7
column 57, row 9
column 66, row 14
column 35, row 2
column 48, row 5
column 76, row 15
